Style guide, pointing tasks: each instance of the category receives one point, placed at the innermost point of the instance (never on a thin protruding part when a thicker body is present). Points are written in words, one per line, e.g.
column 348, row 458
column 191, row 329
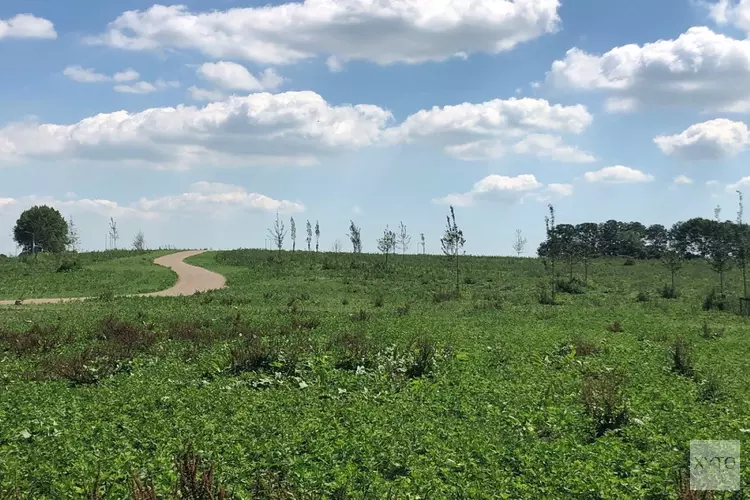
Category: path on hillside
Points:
column 190, row 279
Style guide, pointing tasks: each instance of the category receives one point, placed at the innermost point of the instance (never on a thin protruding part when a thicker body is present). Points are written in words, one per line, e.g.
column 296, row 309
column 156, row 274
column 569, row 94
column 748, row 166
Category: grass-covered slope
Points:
column 323, row 375
column 88, row 274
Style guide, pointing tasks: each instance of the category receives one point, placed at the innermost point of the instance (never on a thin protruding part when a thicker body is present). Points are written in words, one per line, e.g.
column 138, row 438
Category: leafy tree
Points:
column 672, row 260
column 114, row 234
column 73, row 238
column 421, row 235
column 317, row 235
column 587, row 240
column 656, row 241
column 519, row 242
column 355, row 236
column 309, row 235
column 551, row 246
column 387, row 244
column 452, row 242
column 404, row 240
column 139, row 241
column 742, row 241
column 719, row 248
column 277, row 233
column 293, row 230
column 41, row 228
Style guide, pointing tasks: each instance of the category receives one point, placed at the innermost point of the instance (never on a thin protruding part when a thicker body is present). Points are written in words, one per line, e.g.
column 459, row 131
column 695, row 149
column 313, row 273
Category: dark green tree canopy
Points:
column 42, row 226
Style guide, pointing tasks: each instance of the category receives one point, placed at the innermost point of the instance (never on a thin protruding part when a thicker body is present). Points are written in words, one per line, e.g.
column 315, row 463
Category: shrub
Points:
column 604, row 400
column 709, row 334
column 629, row 262
column 468, row 280
column 38, row 339
column 195, row 478
column 571, row 286
column 191, row 331
column 544, row 295
column 361, row 315
column 443, row 296
column 352, row 349
column 643, row 297
column 345, row 301
column 711, row 388
column 82, row 368
column 307, row 323
column 252, row 355
column 379, row 301
column 615, row 327
column 68, row 266
column 267, row 295
column 715, row 300
column 423, row 361
column 128, row 337
column 669, row 292
column 682, row 357
column 583, row 346
column 404, row 309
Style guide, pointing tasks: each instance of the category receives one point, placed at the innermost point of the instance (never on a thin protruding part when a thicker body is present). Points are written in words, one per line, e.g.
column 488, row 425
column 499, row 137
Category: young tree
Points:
column 452, row 242
column 719, row 248
column 355, row 236
column 73, row 238
column 404, row 240
column 277, row 233
column 309, row 235
column 336, row 248
column 41, row 228
column 293, row 230
column 519, row 243
column 139, row 242
column 387, row 244
column 317, row 235
column 672, row 260
column 552, row 242
column 421, row 235
column 741, row 243
column 114, row 234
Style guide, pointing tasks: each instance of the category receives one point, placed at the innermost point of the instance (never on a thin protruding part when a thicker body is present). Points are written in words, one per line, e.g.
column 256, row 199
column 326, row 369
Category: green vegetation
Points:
column 324, row 375
column 91, row 274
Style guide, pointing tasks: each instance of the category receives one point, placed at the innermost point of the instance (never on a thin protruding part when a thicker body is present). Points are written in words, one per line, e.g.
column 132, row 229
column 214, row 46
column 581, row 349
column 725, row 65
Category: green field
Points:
column 89, row 274
column 323, row 375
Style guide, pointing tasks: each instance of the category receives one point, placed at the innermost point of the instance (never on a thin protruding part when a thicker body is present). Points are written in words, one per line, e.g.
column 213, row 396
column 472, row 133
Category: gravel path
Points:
column 190, row 279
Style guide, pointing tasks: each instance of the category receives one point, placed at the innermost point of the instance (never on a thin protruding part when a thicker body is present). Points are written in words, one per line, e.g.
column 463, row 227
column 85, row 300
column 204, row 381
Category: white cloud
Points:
column 146, row 87
column 617, row 174
column 385, row 31
column 290, row 127
column 84, row 75
column 699, row 69
column 27, row 26
column 126, row 76
column 743, row 183
column 734, row 12
column 498, row 188
column 203, row 197
column 232, row 76
column 711, row 140
column 199, row 94
column 356, row 210
column 682, row 179
column 476, row 131
column 712, row 183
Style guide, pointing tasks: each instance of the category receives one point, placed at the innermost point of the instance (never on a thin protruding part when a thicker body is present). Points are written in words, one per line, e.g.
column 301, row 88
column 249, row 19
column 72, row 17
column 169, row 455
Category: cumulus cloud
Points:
column 507, row 190
column 290, row 127
column 682, row 179
column 88, row 75
column 232, row 76
column 203, row 198
column 142, row 87
column 200, row 94
column 84, row 75
column 617, row 174
column 711, row 140
column 733, row 12
column 486, row 130
column 699, row 69
column 386, row 31
column 27, row 26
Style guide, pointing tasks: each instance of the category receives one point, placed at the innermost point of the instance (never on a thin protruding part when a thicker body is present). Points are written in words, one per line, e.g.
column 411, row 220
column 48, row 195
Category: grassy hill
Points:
column 319, row 375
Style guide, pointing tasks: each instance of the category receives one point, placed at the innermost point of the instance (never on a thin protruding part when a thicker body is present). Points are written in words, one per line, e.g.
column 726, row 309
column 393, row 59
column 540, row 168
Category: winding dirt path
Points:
column 190, row 279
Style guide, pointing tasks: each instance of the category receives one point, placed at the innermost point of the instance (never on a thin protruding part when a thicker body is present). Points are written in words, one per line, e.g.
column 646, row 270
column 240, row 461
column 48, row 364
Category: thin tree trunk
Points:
column 458, row 290
column 673, row 288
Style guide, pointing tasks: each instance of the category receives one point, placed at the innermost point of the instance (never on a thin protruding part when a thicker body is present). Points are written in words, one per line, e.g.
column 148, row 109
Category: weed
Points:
column 195, row 479
column 345, row 301
column 404, row 309
column 140, row 490
column 682, row 357
column 629, row 262
column 252, row 355
column 615, row 327
column 307, row 323
column 379, row 301
column 423, row 361
column 268, row 295
column 468, row 280
column 709, row 334
column 604, row 400
column 643, row 297
column 82, row 368
column 545, row 296
column 68, row 266
column 107, row 296
column 583, row 346
column 191, row 331
column 443, row 296
column 572, row 286
column 669, row 292
column 351, row 350
column 685, row 491
column 127, row 337
column 39, row 339
column 361, row 315
column 715, row 300
column 711, row 388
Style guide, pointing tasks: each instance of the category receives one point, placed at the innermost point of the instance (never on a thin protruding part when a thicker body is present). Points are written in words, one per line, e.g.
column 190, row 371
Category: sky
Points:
column 199, row 122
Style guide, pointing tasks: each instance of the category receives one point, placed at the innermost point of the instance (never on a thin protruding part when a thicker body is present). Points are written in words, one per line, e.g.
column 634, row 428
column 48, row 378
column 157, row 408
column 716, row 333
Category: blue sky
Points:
column 197, row 123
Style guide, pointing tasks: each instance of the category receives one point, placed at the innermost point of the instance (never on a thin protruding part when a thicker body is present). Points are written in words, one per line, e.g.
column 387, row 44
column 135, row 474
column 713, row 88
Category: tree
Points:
column 719, row 247
column 404, row 240
column 355, row 236
column 421, row 235
column 672, row 260
column 551, row 244
column 742, row 241
column 317, row 235
column 139, row 242
column 114, row 234
column 309, row 235
column 452, row 242
column 387, row 244
column 73, row 238
column 519, row 243
column 336, row 248
column 293, row 229
column 277, row 232
column 41, row 228
column 587, row 238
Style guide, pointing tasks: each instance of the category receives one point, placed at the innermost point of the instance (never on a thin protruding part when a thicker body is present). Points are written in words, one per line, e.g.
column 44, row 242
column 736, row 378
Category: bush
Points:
column 669, row 292
column 615, row 327
column 468, row 280
column 252, row 355
column 126, row 337
column 715, row 300
column 682, row 357
column 379, row 301
column 351, row 350
column 82, row 368
column 443, row 296
column 423, row 363
column 403, row 310
column 709, row 334
column 643, row 297
column 544, row 295
column 604, row 400
column 629, row 262
column 39, row 339
column 583, row 346
column 361, row 315
column 711, row 388
column 572, row 286
column 345, row 301
column 68, row 265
